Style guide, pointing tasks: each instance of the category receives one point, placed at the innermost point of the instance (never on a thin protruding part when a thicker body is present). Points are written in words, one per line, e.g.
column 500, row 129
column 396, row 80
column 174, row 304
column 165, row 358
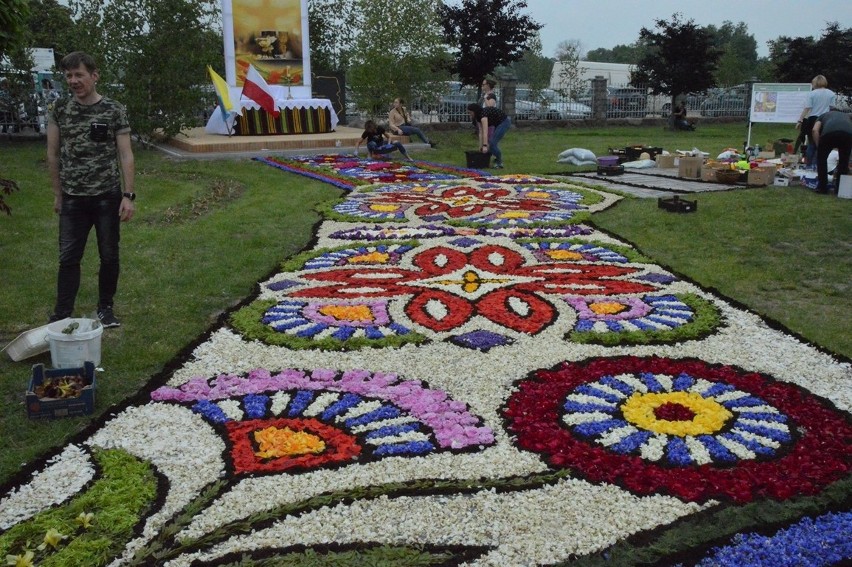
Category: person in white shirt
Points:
column 820, row 100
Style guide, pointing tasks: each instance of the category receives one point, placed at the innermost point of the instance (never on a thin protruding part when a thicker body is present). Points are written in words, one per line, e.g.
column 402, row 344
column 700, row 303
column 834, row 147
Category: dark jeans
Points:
column 76, row 219
column 410, row 130
column 387, row 148
column 494, row 140
column 827, row 142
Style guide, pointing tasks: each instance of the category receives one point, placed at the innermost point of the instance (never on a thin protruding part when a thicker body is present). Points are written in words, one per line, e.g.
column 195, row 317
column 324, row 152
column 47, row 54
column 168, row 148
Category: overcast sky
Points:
column 607, row 23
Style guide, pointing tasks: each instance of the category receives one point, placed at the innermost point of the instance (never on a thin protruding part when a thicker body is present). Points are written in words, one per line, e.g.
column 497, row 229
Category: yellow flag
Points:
column 222, row 94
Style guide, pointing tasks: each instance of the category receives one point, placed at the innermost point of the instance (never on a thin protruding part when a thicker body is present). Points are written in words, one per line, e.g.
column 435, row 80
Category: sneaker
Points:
column 107, row 318
column 433, row 144
column 498, row 166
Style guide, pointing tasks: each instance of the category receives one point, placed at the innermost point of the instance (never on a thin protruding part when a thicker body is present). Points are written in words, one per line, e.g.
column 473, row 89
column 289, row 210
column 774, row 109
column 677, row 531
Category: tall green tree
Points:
column 798, row 60
column 13, row 19
column 738, row 59
column 533, row 68
column 621, row 53
column 678, row 58
column 153, row 56
column 331, row 33
column 50, row 25
column 398, row 51
column 486, row 34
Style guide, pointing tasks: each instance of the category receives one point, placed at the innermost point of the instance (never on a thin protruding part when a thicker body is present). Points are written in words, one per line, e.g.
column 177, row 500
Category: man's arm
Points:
column 815, row 132
column 128, row 170
column 53, row 164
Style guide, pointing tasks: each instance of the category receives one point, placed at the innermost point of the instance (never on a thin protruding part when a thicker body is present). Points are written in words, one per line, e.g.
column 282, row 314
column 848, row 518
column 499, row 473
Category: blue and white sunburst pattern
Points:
column 379, row 424
column 300, row 319
column 660, row 313
column 756, row 429
column 343, row 257
column 590, row 251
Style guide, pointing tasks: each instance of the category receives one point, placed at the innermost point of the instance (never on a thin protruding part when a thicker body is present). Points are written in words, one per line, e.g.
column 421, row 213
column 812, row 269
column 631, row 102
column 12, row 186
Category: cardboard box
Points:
column 38, row 408
column 761, row 176
column 665, row 162
column 766, row 155
column 690, row 167
column 708, row 173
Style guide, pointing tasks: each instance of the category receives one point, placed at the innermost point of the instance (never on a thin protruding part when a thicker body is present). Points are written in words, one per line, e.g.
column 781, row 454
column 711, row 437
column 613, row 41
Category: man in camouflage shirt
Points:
column 88, row 138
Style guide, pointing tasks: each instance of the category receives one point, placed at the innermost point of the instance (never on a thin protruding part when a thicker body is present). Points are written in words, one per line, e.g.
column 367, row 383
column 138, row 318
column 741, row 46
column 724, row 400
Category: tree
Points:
column 398, row 56
column 798, row 60
column 568, row 61
column 13, row 19
column 738, row 60
column 331, row 34
column 533, row 68
column 679, row 58
column 49, row 26
column 487, row 34
column 152, row 56
column 629, row 54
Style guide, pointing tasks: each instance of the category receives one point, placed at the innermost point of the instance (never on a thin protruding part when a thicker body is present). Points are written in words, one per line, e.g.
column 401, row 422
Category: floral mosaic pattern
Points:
column 299, row 420
column 369, row 293
column 474, row 378
column 348, row 171
column 487, row 203
column 682, row 427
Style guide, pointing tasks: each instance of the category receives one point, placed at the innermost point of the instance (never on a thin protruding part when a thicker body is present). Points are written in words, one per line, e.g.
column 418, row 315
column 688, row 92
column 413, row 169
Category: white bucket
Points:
column 73, row 349
column 844, row 189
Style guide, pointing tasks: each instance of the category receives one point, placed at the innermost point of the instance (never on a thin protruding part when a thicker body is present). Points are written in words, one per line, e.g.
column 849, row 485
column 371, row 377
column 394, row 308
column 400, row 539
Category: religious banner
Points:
column 270, row 35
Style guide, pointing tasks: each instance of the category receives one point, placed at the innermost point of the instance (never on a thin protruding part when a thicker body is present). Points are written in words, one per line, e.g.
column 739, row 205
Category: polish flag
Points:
column 255, row 88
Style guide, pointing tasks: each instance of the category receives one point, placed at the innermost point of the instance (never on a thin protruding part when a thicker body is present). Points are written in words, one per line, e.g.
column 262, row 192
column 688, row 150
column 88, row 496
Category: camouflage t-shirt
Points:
column 88, row 153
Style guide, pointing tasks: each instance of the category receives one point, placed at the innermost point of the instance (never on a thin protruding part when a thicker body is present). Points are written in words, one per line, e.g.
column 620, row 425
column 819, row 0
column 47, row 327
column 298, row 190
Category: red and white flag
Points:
column 255, row 88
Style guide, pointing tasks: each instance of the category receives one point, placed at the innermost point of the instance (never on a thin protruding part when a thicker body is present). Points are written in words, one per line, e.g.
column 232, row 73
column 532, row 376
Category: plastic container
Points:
column 29, row 343
column 478, row 160
column 608, row 161
column 72, row 350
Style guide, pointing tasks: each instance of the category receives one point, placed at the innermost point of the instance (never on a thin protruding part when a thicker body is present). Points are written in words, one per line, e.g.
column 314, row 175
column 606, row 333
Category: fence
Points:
column 620, row 101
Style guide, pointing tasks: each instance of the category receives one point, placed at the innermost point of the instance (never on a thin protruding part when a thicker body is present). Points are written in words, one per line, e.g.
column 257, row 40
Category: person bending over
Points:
column 378, row 141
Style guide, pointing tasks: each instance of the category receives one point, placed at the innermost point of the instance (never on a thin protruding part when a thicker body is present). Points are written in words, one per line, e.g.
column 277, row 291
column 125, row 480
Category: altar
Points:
column 296, row 116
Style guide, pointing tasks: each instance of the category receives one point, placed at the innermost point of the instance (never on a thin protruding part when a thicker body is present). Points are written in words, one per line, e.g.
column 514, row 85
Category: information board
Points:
column 778, row 102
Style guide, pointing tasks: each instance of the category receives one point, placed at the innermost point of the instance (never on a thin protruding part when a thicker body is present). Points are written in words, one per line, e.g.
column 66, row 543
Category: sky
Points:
column 607, row 23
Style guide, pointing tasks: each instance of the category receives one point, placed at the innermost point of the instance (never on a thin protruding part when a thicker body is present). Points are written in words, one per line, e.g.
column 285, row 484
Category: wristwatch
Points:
column 131, row 196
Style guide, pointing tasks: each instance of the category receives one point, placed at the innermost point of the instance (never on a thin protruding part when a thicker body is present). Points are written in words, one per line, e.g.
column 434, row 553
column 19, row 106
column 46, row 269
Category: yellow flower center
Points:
column 274, row 443
column 537, row 195
column 607, row 307
column 383, row 208
column 710, row 416
column 347, row 312
column 564, row 255
column 370, row 258
column 514, row 215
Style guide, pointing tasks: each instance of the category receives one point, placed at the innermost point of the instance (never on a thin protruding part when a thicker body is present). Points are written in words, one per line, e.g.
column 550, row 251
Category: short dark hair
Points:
column 491, row 96
column 77, row 58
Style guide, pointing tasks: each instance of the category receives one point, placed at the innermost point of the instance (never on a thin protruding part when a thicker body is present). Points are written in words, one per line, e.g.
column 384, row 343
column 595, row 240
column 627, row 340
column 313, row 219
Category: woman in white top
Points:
column 820, row 101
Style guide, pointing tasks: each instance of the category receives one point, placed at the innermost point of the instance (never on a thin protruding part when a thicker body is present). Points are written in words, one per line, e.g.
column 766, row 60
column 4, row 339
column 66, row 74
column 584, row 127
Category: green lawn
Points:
column 207, row 231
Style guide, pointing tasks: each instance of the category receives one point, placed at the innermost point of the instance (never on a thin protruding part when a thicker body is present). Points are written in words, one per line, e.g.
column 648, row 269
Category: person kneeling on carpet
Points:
column 378, row 141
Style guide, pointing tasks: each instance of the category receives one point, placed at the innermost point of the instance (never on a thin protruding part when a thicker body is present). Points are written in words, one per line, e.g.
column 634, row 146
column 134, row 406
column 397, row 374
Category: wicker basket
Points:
column 727, row 176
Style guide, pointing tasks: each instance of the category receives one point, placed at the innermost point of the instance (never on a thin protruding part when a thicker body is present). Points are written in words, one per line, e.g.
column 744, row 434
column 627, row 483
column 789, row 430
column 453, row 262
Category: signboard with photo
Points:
column 778, row 102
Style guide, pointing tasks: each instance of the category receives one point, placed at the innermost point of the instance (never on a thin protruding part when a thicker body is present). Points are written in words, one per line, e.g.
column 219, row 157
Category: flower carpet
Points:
column 462, row 370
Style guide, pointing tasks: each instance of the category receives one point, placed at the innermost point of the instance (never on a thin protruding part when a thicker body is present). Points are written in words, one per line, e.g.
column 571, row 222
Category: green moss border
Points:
column 119, row 499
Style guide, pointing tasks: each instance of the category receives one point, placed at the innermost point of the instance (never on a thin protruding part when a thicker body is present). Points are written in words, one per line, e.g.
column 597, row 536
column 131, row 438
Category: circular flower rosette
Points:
column 682, row 427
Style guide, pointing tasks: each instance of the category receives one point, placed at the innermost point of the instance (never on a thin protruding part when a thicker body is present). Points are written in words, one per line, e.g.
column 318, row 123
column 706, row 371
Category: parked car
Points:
column 622, row 102
column 452, row 106
column 727, row 102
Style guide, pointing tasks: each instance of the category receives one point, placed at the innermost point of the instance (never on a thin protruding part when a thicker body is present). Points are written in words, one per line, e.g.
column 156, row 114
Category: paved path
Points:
column 654, row 183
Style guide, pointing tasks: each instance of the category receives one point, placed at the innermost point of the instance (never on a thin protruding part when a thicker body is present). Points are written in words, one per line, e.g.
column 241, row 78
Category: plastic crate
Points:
column 478, row 160
column 677, row 205
column 51, row 408
column 610, row 170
